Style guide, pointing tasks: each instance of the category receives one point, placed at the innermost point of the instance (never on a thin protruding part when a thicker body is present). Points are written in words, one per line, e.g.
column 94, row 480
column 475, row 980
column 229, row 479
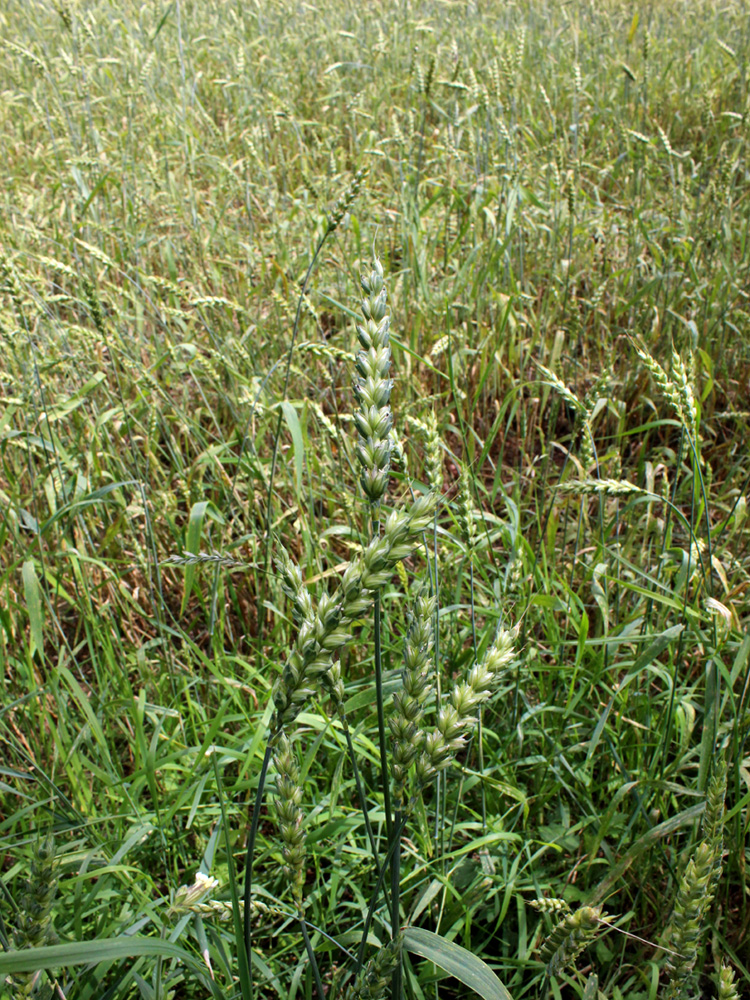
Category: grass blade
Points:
column 457, row 961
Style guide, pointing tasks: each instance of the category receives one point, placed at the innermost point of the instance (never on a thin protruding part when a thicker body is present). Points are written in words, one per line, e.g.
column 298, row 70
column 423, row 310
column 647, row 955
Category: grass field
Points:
column 375, row 388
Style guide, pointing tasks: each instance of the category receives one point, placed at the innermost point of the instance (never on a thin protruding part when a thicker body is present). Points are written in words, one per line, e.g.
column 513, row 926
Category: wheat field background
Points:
column 374, row 408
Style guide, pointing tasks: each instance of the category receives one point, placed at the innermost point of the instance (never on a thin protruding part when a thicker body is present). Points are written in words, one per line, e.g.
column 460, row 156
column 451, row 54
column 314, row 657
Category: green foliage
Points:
column 519, row 684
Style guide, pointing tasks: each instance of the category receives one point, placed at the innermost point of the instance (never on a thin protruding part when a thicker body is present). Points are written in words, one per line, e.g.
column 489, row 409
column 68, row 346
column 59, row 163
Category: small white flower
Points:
column 207, row 882
column 188, row 896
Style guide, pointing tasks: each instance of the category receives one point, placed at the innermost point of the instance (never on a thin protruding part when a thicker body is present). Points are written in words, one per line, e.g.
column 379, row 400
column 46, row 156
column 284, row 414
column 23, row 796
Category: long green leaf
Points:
column 642, row 844
column 32, row 593
column 656, row 648
column 298, row 445
column 192, row 545
column 198, row 513
column 93, row 952
column 457, row 961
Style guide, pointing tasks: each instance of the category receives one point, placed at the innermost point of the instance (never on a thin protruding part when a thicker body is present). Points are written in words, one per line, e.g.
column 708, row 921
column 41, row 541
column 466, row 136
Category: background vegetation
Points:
column 558, row 194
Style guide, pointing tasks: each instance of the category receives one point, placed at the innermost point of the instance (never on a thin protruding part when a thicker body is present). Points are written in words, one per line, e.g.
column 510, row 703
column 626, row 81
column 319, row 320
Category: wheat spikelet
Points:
column 434, row 454
column 34, row 921
column 373, row 388
column 429, row 77
column 495, row 79
column 665, row 141
column 574, row 932
column 201, row 559
column 57, row 265
column 325, row 419
column 97, row 253
column 600, row 487
column 456, row 719
column 419, row 76
column 519, row 48
column 557, row 383
column 325, row 351
column 327, row 631
column 201, row 301
column 192, row 899
column 344, row 203
column 289, row 816
column 550, row 905
column 433, row 449
column 407, row 735
column 712, row 827
column 693, row 900
column 146, row 69
column 639, row 136
column 727, row 49
column 375, row 977
column 727, row 984
column 688, row 408
column 31, row 58
column 440, row 346
column 474, row 88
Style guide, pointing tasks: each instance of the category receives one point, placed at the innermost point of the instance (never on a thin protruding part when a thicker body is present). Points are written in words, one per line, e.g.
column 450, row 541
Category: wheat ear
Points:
column 573, row 933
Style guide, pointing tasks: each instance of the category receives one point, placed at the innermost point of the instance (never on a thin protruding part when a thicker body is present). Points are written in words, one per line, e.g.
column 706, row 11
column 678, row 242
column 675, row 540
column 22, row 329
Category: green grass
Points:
column 559, row 198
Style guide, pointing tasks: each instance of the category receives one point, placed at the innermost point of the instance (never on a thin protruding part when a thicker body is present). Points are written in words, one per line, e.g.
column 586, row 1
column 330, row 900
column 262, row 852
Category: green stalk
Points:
column 382, row 740
column 441, row 784
column 360, row 787
column 244, row 962
column 396, row 979
column 313, row 961
column 387, row 861
column 249, row 855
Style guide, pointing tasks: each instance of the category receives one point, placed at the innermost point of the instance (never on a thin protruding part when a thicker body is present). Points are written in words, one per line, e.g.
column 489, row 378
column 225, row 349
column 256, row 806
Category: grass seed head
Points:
column 574, row 932
column 407, row 735
column 373, row 387
column 34, row 919
column 693, row 900
column 375, row 977
column 727, row 984
column 289, row 813
column 456, row 720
